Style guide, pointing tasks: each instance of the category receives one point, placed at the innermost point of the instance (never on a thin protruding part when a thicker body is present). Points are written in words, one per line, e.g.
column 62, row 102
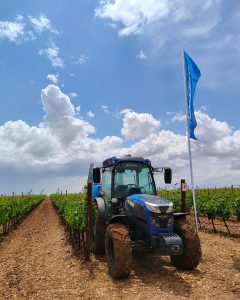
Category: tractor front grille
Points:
column 161, row 219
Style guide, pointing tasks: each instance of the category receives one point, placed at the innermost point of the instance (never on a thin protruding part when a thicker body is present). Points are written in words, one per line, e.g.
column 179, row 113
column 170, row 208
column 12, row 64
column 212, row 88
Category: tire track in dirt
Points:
column 37, row 262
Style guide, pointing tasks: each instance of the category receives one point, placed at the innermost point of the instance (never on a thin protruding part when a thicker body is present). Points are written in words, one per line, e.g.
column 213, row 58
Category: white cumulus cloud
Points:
column 53, row 78
column 90, row 114
column 136, row 125
column 73, row 95
column 23, row 29
column 141, row 55
column 132, row 16
column 215, row 154
column 60, row 116
column 52, row 54
column 105, row 108
column 82, row 59
column 57, row 152
column 42, row 23
column 12, row 31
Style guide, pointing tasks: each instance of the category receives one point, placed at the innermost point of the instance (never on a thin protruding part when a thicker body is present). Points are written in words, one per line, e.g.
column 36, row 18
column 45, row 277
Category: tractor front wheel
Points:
column 192, row 253
column 118, row 250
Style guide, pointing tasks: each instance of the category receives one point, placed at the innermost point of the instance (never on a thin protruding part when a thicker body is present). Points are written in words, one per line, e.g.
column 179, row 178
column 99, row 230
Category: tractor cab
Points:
column 121, row 176
column 129, row 178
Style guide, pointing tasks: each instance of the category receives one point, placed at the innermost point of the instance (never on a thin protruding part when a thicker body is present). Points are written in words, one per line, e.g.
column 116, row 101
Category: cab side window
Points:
column 145, row 182
column 106, row 182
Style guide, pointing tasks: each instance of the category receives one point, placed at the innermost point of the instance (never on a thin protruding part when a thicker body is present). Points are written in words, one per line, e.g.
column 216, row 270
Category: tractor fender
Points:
column 122, row 219
column 102, row 213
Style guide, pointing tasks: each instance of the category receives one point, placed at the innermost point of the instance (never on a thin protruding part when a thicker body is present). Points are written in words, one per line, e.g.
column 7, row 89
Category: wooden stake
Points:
column 183, row 197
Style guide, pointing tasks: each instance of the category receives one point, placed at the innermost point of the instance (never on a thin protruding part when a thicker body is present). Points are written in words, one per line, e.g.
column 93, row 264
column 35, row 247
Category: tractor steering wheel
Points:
column 132, row 184
column 133, row 189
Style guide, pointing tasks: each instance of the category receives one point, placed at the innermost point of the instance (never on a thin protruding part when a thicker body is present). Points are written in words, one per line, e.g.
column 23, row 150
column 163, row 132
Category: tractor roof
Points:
column 112, row 161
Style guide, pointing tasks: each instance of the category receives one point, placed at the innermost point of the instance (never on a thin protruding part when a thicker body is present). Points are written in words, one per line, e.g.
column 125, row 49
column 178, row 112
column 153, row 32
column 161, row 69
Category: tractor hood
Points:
column 153, row 203
column 151, row 214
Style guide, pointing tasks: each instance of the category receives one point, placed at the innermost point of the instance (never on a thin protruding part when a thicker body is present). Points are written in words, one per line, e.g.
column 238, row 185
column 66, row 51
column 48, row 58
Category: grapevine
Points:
column 222, row 203
column 14, row 207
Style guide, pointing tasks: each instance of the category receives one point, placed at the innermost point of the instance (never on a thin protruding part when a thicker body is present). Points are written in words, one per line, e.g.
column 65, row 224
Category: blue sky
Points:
column 113, row 69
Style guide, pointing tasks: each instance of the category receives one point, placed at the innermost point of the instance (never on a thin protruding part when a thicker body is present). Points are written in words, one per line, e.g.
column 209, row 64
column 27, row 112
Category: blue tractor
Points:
column 131, row 218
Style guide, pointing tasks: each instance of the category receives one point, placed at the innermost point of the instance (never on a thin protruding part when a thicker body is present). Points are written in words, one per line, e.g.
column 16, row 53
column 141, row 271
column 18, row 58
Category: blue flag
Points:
column 192, row 75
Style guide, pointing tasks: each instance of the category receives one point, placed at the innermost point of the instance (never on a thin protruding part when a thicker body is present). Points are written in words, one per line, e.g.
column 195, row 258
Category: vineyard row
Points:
column 13, row 208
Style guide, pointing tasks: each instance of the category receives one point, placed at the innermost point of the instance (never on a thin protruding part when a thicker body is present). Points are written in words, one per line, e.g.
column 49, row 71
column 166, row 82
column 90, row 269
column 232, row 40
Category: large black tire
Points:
column 118, row 250
column 98, row 236
column 192, row 253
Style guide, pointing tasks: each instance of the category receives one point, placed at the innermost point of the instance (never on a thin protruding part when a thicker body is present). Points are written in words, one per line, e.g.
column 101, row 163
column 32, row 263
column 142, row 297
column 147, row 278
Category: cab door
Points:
column 107, row 189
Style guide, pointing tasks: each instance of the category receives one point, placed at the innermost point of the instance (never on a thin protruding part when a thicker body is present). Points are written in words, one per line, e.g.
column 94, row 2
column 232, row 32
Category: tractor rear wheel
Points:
column 118, row 250
column 98, row 236
column 192, row 253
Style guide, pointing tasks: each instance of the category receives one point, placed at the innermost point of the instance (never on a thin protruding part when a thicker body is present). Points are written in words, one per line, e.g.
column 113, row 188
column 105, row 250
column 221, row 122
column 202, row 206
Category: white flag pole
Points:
column 189, row 142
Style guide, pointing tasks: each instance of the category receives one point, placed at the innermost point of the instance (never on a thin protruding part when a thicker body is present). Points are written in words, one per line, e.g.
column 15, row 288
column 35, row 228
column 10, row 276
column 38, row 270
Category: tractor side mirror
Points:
column 96, row 175
column 167, row 175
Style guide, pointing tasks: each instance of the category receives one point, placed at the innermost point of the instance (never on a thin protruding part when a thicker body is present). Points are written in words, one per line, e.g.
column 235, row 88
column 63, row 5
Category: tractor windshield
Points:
column 133, row 178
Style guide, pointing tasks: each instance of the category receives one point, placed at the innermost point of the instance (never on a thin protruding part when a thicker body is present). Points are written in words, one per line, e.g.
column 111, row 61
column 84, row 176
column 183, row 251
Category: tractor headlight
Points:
column 154, row 221
column 153, row 208
column 170, row 208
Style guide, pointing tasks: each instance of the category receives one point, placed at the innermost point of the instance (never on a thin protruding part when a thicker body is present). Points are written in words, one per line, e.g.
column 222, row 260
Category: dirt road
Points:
column 37, row 262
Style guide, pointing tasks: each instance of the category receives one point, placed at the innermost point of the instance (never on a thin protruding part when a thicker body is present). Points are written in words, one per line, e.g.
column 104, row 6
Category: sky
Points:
column 81, row 81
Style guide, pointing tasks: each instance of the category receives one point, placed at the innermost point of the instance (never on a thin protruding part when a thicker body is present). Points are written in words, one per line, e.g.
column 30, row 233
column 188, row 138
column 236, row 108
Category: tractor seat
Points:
column 121, row 191
column 134, row 190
